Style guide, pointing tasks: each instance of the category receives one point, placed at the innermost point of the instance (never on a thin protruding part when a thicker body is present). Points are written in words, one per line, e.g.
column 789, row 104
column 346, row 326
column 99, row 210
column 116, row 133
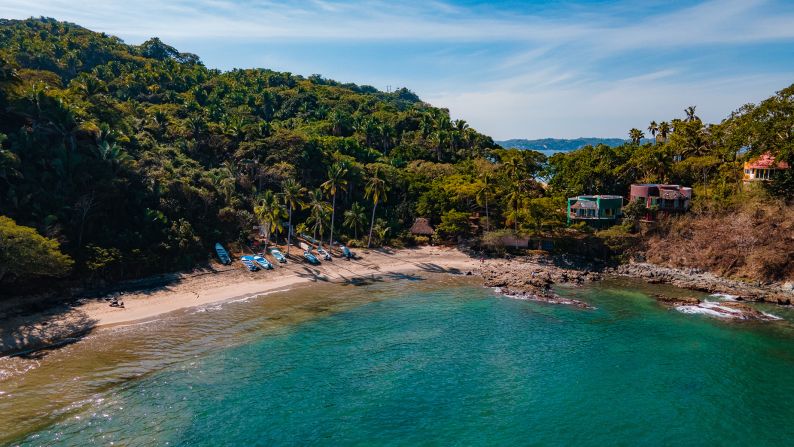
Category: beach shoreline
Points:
column 151, row 298
column 62, row 324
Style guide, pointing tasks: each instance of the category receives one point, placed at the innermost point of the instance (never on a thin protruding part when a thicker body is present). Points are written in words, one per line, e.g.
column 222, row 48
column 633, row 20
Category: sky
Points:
column 512, row 69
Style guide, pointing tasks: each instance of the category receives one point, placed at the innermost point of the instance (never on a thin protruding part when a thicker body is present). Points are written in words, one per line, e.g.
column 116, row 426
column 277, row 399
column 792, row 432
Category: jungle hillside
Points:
column 120, row 161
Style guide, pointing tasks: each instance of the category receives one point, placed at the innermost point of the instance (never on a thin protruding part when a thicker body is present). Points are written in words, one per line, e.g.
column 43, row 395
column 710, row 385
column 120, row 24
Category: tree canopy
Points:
column 24, row 253
column 137, row 158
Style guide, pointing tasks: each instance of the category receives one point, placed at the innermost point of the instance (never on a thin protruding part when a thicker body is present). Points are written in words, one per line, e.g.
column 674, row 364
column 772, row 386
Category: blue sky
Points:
column 512, row 69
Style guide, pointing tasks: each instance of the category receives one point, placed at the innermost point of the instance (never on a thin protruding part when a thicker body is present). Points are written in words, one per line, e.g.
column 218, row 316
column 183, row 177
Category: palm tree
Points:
column 483, row 192
column 439, row 140
column 426, row 124
column 513, row 168
column 292, row 194
column 336, row 181
column 381, row 231
column 196, row 126
column 318, row 212
column 113, row 154
column 664, row 130
column 8, row 76
column 339, row 122
column 269, row 212
column 7, row 71
column 514, row 200
column 690, row 113
column 222, row 183
column 636, row 135
column 653, row 128
column 355, row 218
column 375, row 188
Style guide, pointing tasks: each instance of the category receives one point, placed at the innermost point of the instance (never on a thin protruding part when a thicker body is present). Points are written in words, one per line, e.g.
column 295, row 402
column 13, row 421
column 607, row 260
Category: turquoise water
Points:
column 432, row 362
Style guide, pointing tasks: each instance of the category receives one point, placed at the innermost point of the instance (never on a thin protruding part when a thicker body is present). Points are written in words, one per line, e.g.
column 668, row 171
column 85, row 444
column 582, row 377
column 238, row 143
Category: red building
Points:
column 665, row 198
column 762, row 168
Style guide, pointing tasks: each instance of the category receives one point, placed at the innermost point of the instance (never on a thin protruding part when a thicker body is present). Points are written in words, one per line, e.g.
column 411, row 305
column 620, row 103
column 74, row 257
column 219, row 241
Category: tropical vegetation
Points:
column 136, row 159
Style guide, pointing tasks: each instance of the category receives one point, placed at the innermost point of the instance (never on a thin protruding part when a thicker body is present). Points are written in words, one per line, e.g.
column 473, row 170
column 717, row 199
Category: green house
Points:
column 598, row 211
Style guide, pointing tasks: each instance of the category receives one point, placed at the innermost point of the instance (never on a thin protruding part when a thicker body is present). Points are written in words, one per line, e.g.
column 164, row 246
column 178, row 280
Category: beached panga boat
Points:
column 346, row 252
column 248, row 262
column 262, row 262
column 327, row 256
column 311, row 258
column 223, row 255
column 276, row 253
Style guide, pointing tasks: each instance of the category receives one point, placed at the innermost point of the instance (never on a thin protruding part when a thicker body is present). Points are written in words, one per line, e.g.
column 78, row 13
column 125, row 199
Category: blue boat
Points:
column 223, row 255
column 276, row 253
column 311, row 258
column 262, row 262
column 346, row 252
column 248, row 262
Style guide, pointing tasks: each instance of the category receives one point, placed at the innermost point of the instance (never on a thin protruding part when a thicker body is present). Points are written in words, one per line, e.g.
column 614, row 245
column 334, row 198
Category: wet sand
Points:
column 198, row 289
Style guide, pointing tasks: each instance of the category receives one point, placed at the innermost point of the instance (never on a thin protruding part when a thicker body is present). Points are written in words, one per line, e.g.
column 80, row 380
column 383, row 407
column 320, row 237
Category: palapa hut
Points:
column 421, row 227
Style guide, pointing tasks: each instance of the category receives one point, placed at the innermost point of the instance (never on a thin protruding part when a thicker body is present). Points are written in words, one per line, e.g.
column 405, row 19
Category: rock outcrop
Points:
column 720, row 309
column 695, row 279
column 532, row 278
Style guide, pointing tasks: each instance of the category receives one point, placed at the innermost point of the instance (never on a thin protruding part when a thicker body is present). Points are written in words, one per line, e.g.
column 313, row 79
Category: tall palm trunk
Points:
column 371, row 224
column 487, row 216
column 515, row 219
column 289, row 231
column 333, row 214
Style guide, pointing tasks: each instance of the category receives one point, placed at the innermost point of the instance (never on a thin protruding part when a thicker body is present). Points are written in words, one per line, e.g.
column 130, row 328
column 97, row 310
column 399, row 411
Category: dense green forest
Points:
column 136, row 159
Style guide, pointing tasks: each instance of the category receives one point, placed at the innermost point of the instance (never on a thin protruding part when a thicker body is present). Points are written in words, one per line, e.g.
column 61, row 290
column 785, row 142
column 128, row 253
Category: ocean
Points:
column 424, row 360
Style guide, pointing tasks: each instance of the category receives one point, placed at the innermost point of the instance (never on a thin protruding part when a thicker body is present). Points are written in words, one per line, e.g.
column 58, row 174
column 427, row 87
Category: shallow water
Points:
column 432, row 361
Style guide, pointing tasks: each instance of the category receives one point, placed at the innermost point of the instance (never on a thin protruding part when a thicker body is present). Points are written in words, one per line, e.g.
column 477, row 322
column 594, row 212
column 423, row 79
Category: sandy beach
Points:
column 223, row 283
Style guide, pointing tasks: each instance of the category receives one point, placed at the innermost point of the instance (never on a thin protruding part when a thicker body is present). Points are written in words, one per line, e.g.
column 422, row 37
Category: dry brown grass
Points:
column 754, row 241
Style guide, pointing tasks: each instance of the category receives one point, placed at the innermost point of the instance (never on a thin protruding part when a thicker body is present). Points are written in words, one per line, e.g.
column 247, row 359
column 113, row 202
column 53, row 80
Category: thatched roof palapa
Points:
column 422, row 227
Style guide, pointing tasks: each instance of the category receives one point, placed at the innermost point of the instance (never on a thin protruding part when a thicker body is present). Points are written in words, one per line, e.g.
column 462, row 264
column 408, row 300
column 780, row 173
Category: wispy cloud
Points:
column 710, row 22
column 510, row 69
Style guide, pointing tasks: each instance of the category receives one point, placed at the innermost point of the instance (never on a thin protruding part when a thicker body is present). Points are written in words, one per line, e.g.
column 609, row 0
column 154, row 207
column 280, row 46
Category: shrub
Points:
column 454, row 224
column 396, row 243
column 356, row 243
column 24, row 253
column 619, row 239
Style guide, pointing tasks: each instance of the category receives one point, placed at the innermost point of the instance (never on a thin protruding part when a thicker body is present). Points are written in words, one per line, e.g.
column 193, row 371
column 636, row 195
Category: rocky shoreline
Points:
column 532, row 278
column 725, row 309
column 694, row 279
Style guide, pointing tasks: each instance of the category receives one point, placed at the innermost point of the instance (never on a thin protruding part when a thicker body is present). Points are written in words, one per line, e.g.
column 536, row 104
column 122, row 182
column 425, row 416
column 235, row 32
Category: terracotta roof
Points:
column 766, row 161
column 422, row 226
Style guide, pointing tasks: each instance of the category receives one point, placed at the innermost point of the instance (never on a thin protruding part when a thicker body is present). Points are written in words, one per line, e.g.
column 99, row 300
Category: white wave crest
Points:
column 705, row 311
column 724, row 296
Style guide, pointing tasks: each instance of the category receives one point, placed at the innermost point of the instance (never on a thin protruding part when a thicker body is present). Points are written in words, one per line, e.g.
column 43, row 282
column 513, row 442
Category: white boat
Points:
column 327, row 256
column 264, row 263
column 276, row 253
